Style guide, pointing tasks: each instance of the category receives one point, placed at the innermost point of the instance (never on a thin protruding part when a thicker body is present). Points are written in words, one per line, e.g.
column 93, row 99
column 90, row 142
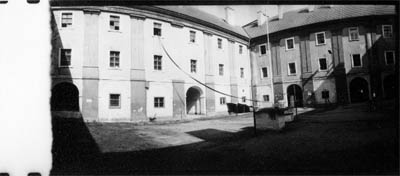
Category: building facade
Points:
column 324, row 54
column 134, row 63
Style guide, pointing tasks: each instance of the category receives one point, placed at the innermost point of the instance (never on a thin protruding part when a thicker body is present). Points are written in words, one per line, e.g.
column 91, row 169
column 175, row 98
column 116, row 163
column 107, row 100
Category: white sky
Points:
column 247, row 13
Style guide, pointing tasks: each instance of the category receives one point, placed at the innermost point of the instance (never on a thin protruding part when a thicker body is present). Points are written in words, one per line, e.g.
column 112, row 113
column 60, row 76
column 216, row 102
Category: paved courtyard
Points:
column 348, row 140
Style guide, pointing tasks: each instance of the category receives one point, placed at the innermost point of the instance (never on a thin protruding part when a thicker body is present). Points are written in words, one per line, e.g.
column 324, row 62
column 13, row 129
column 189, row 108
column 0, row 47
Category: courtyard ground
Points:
column 342, row 140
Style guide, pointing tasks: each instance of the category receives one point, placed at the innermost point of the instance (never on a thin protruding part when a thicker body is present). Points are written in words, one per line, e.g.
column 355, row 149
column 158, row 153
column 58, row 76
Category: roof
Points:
column 302, row 17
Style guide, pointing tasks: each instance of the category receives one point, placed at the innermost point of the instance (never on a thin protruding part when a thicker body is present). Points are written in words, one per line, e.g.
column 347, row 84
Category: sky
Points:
column 246, row 13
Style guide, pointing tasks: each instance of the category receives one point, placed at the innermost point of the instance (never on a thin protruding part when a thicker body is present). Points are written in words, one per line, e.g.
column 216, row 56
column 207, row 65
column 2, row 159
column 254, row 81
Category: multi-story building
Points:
column 324, row 54
column 117, row 63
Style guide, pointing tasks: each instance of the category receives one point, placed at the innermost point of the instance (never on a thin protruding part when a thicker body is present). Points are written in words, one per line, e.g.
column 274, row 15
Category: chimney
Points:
column 280, row 12
column 230, row 16
column 260, row 18
column 311, row 8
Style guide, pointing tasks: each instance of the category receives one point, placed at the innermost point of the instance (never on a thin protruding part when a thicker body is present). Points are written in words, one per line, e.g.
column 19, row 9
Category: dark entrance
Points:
column 64, row 97
column 295, row 91
column 389, row 86
column 193, row 103
column 359, row 91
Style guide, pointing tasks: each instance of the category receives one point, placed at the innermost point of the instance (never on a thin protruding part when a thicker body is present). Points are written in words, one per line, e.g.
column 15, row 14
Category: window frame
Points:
column 394, row 57
column 59, row 58
column 221, row 69
column 295, row 69
column 316, row 38
column 266, row 98
column 195, row 66
column 352, row 61
column 219, row 43
column 112, row 28
column 117, row 56
column 262, row 72
column 61, row 20
column 286, row 44
column 261, row 54
column 110, row 106
column 383, row 31
column 358, row 34
column 157, row 104
column 319, row 63
column 160, row 63
column 154, row 29
column 222, row 100
column 241, row 72
column 190, row 36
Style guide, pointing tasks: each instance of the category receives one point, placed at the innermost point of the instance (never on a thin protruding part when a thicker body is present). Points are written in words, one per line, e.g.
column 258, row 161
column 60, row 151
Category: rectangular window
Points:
column 158, row 102
column 322, row 64
column 192, row 36
column 263, row 49
column 290, row 43
column 320, row 38
column 292, row 68
column 266, row 97
column 66, row 20
column 115, row 100
column 222, row 100
column 157, row 62
column 387, row 31
column 242, row 72
column 264, row 71
column 114, row 22
column 157, row 29
column 114, row 59
column 389, row 57
column 353, row 33
column 65, row 57
column 193, row 66
column 221, row 69
column 240, row 49
column 356, row 60
column 243, row 99
column 220, row 43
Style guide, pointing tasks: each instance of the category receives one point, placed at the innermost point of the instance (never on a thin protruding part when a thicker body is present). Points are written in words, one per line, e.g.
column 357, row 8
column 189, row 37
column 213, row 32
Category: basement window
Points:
column 266, row 97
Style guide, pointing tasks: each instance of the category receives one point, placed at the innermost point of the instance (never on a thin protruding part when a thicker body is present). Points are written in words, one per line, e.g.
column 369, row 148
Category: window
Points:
column 222, row 100
column 157, row 29
column 266, row 97
column 240, row 49
column 387, row 31
column 325, row 94
column 356, row 60
column 114, row 22
column 292, row 68
column 66, row 20
column 65, row 57
column 290, row 43
column 192, row 36
column 115, row 100
column 193, row 67
column 389, row 57
column 221, row 69
column 158, row 102
column 320, row 38
column 263, row 49
column 264, row 71
column 157, row 62
column 114, row 59
column 220, row 43
column 322, row 64
column 353, row 33
column 243, row 99
column 242, row 72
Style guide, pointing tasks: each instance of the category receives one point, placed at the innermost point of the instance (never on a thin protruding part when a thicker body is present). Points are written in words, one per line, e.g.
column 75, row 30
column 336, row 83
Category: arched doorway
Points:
column 295, row 91
column 359, row 91
column 64, row 97
column 389, row 86
column 193, row 100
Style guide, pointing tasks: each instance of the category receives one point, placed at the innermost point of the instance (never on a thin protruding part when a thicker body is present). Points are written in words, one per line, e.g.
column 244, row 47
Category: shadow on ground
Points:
column 359, row 147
